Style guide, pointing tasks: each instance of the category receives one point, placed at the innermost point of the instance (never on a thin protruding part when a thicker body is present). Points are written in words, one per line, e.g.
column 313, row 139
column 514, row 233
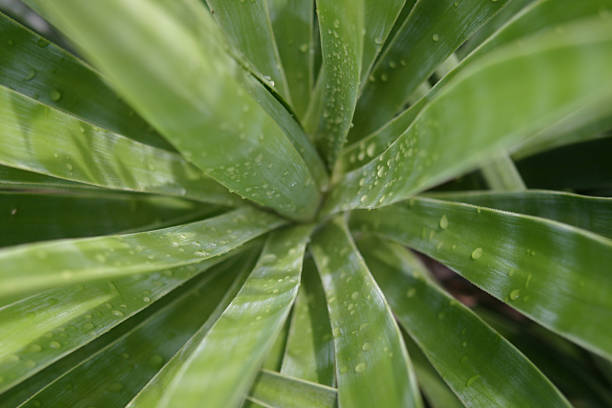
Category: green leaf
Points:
column 435, row 390
column 501, row 175
column 341, row 23
column 309, row 353
column 508, row 12
column 278, row 391
column 176, row 72
column 16, row 179
column 549, row 271
column 431, row 33
column 30, row 217
column 380, row 17
column 40, row 70
column 220, row 365
column 292, row 22
column 66, row 262
column 70, row 317
column 22, row 391
column 589, row 213
column 372, row 366
column 274, row 358
column 466, row 352
column 107, row 379
column 561, row 75
column 43, row 140
column 248, row 27
column 564, row 363
column 540, row 17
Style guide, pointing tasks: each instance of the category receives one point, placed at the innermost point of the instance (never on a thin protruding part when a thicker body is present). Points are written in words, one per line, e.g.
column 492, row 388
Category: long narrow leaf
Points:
column 292, row 22
column 30, row 343
column 466, row 352
column 105, row 379
column 431, row 33
column 71, row 261
column 247, row 25
column 543, row 15
column 560, row 74
column 219, row 366
column 176, row 72
column 341, row 24
column 40, row 70
column 43, row 140
column 309, row 353
column 31, row 217
column 589, row 213
column 372, row 366
column 552, row 272
column 279, row 391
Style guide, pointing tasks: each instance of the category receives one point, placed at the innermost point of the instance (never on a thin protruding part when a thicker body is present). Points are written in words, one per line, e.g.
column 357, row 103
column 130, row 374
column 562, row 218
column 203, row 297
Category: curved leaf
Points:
column 466, row 352
column 219, row 365
column 431, row 33
column 278, row 391
column 292, row 23
column 176, row 72
column 247, row 25
column 372, row 366
column 309, row 353
column 549, row 271
column 586, row 212
column 70, row 317
column 561, row 75
column 106, row 378
column 40, row 70
column 29, row 217
column 543, row 15
column 433, row 387
column 66, row 262
column 43, row 140
column 341, row 23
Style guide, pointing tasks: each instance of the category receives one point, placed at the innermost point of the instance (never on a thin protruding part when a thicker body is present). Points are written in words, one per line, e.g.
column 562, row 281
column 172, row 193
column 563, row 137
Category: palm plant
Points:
column 220, row 204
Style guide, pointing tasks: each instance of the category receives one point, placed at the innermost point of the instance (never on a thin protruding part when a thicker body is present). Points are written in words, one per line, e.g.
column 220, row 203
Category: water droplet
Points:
column 146, row 299
column 471, row 380
column 515, row 294
column 354, row 295
column 34, row 348
column 444, row 222
column 304, row 48
column 410, row 292
column 435, row 37
column 54, row 345
column 156, row 360
column 30, row 75
column 371, row 149
column 42, row 43
column 477, row 253
column 55, row 95
column 360, row 368
column 365, row 347
column 117, row 313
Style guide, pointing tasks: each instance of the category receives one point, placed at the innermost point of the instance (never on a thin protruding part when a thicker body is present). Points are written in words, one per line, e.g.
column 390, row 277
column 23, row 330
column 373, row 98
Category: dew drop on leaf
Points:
column 360, row 368
column 477, row 253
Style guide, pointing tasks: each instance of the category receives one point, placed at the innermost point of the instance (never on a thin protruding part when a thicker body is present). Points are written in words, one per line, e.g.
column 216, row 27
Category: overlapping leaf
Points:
column 221, row 363
column 466, row 352
column 555, row 76
column 66, row 262
column 372, row 366
column 551, row 272
column 175, row 71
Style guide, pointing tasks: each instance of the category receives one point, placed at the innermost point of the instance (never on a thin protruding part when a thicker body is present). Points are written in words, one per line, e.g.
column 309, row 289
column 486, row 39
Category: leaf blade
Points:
column 364, row 342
